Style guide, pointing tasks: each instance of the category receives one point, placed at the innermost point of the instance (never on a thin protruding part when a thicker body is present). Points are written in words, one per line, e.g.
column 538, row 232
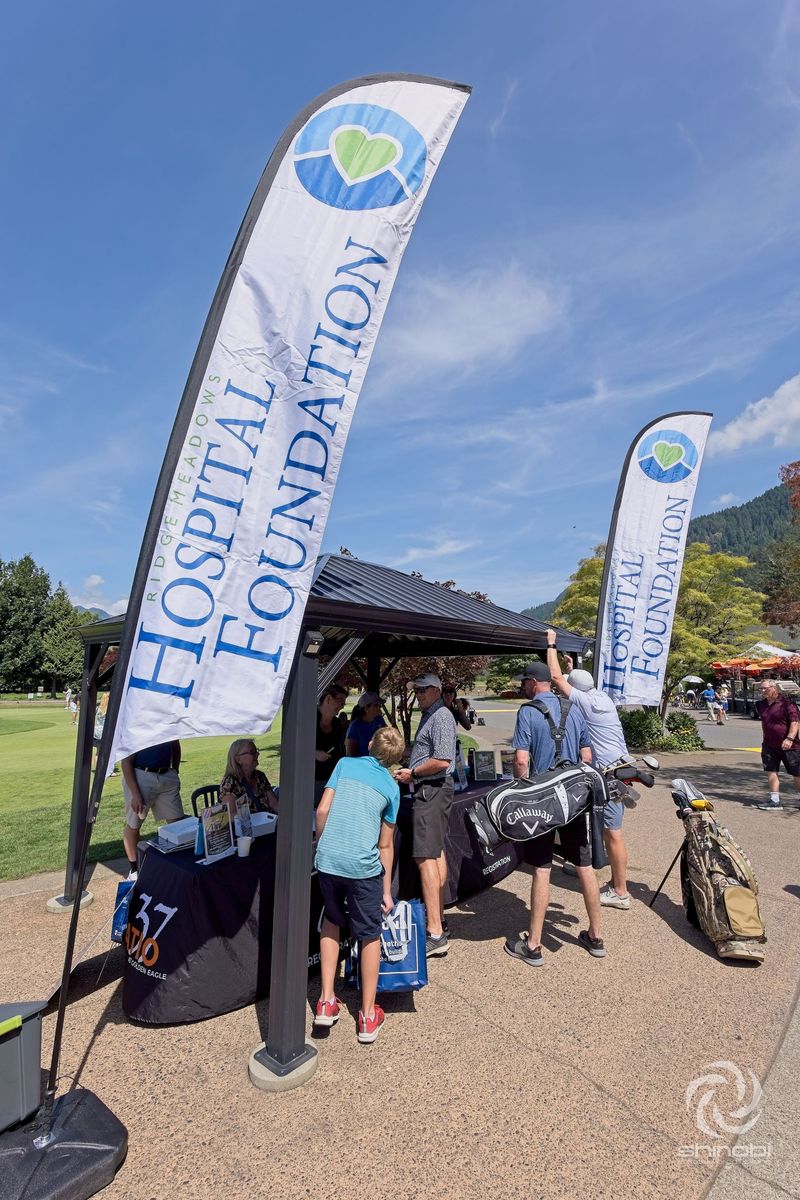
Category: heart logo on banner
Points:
column 667, row 454
column 361, row 156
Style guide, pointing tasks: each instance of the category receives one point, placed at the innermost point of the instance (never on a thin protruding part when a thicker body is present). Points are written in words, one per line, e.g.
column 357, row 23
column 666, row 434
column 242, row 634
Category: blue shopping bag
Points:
column 404, row 966
column 119, row 921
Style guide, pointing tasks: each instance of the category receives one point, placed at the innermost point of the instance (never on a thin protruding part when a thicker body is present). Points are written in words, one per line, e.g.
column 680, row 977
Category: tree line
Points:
column 40, row 645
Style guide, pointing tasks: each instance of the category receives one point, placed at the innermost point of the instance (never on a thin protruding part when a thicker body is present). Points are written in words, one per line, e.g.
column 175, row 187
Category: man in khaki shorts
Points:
column 150, row 783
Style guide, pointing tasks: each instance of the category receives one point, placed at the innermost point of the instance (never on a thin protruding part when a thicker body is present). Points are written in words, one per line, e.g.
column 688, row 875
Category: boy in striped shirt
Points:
column 355, row 827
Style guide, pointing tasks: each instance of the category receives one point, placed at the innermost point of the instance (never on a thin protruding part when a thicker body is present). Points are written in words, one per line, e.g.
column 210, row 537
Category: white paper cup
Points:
column 243, row 844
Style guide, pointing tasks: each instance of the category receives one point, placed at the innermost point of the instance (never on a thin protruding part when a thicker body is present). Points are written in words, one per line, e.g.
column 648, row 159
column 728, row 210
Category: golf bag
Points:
column 719, row 888
column 528, row 808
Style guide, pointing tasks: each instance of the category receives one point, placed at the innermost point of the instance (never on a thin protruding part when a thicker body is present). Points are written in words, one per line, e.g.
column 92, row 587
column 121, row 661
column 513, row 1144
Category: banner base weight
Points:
column 80, row 1157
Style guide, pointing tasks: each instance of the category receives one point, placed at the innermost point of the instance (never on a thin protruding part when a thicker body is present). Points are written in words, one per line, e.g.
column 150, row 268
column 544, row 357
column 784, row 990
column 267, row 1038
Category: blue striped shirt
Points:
column 366, row 795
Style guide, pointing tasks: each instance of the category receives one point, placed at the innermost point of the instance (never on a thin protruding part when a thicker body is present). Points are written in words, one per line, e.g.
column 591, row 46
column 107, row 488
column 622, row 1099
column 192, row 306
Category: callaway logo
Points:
column 667, row 456
column 360, row 156
column 520, row 813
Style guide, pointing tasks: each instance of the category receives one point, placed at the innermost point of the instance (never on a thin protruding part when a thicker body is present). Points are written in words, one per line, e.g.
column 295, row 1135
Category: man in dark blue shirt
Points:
column 150, row 782
column 534, row 752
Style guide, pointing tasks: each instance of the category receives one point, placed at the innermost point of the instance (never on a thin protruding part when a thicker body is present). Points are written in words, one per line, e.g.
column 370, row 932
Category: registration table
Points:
column 199, row 938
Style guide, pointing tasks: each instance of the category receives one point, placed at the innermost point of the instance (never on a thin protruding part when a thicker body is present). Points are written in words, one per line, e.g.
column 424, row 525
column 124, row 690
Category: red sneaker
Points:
column 327, row 1013
column 370, row 1027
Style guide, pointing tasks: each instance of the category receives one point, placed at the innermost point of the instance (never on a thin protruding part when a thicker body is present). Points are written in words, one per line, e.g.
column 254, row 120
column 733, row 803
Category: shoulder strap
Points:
column 556, row 731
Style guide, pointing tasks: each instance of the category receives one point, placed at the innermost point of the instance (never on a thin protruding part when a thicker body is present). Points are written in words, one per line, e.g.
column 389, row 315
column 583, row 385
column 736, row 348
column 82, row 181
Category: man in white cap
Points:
column 608, row 742
column 430, row 774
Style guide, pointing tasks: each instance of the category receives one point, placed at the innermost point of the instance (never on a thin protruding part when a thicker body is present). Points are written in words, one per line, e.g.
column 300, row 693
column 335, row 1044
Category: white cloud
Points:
column 91, row 595
column 449, row 327
column 775, row 417
column 725, row 500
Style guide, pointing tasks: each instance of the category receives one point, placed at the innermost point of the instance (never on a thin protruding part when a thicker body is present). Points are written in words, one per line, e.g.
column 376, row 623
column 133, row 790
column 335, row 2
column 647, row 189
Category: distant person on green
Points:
column 355, row 826
column 150, row 783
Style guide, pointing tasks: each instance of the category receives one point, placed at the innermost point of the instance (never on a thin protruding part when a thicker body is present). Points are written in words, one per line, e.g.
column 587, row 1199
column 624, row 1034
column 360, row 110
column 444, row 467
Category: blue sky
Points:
column 612, row 234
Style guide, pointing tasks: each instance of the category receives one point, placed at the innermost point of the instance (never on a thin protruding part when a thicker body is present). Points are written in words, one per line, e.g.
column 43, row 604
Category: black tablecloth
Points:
column 468, row 871
column 199, row 938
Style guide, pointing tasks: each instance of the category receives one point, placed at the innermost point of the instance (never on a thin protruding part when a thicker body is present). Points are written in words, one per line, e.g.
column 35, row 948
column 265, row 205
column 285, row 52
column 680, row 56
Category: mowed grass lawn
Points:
column 37, row 761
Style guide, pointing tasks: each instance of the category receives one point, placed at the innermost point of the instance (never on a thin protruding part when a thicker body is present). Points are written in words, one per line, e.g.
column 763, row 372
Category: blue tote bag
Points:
column 119, row 921
column 404, row 967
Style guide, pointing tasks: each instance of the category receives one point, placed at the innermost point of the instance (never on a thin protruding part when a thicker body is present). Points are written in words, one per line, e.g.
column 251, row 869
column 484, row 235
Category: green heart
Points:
column 667, row 454
column 360, row 155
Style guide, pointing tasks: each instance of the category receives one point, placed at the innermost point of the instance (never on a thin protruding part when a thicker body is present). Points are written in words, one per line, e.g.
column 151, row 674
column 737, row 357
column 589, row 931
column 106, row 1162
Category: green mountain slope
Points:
column 746, row 529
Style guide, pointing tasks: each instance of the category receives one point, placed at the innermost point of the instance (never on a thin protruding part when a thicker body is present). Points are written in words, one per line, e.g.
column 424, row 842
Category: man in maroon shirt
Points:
column 780, row 722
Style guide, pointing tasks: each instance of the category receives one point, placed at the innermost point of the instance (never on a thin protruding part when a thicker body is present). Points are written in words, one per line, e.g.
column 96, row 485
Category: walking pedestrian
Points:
column 780, row 723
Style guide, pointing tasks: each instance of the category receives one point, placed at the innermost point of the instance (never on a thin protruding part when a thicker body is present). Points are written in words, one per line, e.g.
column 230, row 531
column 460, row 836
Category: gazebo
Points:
column 357, row 612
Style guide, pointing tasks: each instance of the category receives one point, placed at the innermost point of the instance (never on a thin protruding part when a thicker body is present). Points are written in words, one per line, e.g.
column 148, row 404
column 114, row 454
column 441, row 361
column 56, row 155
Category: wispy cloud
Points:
column 496, row 124
column 725, row 500
column 450, row 327
column 440, row 548
column 775, row 418
column 21, row 383
column 783, row 73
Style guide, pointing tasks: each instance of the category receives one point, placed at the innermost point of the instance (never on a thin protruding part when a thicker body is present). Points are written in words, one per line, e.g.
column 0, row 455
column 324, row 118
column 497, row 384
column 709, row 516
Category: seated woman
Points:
column 363, row 725
column 242, row 779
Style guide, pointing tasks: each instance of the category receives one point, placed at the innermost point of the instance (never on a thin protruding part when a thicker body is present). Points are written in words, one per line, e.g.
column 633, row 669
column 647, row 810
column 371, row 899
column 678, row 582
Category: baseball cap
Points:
column 582, row 680
column 537, row 671
column 429, row 680
column 368, row 698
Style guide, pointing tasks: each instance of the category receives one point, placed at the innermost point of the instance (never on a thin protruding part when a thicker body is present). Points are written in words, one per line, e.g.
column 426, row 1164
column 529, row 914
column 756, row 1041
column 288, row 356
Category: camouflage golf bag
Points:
column 720, row 890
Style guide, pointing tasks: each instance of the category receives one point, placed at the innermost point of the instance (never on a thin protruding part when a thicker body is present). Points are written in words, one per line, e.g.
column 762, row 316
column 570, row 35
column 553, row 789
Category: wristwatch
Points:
column 414, row 774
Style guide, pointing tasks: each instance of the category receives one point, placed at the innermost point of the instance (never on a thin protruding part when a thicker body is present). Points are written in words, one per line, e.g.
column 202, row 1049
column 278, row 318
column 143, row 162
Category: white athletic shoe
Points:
column 611, row 899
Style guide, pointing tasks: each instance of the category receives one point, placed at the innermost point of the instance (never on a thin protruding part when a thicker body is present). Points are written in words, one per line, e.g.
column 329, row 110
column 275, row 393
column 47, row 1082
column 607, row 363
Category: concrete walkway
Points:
column 495, row 1081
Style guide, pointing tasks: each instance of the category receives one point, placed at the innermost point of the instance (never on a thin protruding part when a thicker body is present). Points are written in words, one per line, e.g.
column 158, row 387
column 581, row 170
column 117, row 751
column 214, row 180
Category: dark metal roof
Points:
column 399, row 614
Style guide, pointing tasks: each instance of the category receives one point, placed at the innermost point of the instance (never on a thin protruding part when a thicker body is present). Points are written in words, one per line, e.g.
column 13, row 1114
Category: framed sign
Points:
column 485, row 766
column 217, row 832
column 507, row 764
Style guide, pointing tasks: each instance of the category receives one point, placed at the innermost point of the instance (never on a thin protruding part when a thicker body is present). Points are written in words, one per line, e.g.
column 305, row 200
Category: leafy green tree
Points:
column 62, row 660
column 505, row 671
column 462, row 670
column 782, row 575
column 24, row 600
column 577, row 609
column 714, row 616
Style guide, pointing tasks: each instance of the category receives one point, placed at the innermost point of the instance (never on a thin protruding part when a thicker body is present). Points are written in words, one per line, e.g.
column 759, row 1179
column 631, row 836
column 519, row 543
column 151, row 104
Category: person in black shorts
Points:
column 533, row 743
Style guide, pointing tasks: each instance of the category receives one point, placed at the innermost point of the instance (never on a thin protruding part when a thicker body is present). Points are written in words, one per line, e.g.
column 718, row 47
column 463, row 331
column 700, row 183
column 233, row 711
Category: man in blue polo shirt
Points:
column 534, row 752
column 150, row 783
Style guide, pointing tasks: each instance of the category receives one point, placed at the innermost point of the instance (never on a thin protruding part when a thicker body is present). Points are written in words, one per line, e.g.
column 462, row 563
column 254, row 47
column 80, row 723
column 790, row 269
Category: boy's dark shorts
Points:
column 353, row 902
column 429, row 815
column 772, row 759
column 575, row 845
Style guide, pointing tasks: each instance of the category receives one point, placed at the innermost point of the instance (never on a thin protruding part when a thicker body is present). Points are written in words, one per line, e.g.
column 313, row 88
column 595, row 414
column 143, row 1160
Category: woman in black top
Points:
column 330, row 735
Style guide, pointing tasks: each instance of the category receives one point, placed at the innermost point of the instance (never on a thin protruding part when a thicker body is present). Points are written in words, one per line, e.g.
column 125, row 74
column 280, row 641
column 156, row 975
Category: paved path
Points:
column 496, row 1080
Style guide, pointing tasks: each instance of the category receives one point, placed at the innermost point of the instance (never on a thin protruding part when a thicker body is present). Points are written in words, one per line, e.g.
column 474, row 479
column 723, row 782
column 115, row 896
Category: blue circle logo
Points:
column 359, row 156
column 667, row 456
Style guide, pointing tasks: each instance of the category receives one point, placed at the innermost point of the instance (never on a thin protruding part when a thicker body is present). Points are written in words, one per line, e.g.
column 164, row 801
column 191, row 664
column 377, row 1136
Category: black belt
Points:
column 435, row 780
column 155, row 770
